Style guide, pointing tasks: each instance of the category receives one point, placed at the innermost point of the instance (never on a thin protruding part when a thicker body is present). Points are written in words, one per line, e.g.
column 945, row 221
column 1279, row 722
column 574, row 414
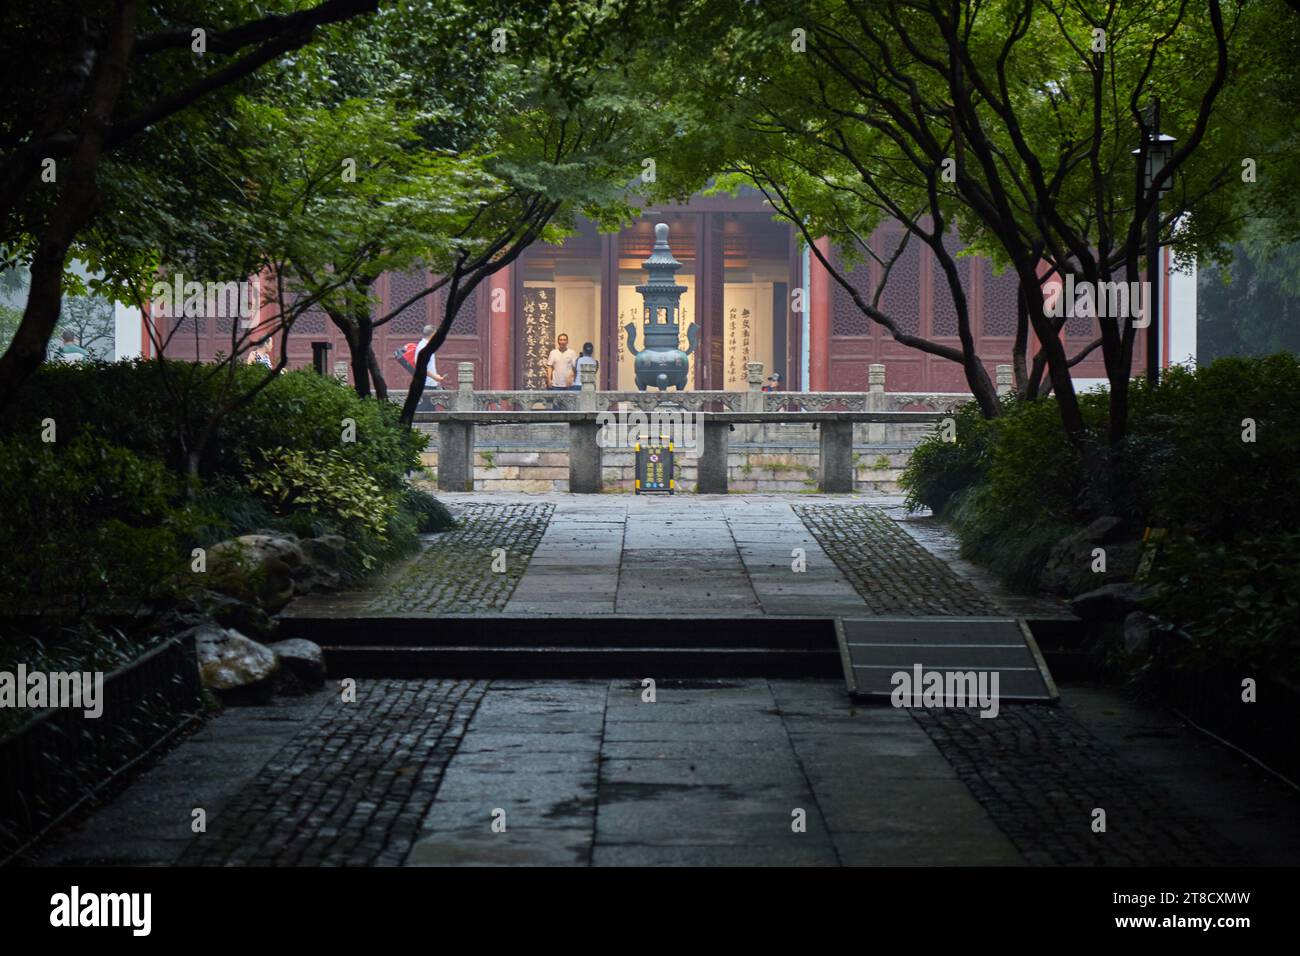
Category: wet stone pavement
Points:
column 709, row 772
column 712, row 772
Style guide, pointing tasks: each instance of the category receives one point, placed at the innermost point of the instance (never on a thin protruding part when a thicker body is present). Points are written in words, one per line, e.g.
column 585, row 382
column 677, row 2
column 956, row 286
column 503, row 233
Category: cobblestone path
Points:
column 1041, row 775
column 455, row 572
column 888, row 568
column 352, row 787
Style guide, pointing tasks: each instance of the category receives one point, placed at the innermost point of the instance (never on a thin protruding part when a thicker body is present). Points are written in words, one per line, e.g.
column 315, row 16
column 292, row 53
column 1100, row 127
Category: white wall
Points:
column 128, row 332
column 1182, row 317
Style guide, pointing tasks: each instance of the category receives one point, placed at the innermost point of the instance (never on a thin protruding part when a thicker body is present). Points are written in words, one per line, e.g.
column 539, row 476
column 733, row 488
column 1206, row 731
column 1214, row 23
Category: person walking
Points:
column 431, row 379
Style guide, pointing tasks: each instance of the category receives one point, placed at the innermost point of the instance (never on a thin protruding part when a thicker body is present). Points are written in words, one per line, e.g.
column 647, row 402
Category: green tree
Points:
column 84, row 84
column 1015, row 119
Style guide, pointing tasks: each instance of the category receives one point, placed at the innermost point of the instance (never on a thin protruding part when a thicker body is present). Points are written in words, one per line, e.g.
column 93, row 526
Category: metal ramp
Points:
column 874, row 649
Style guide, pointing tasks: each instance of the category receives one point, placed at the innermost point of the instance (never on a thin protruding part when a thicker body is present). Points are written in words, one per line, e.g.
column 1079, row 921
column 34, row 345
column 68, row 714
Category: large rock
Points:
column 256, row 568
column 248, row 619
column 233, row 665
column 1111, row 601
column 322, row 561
column 302, row 665
column 1070, row 562
column 1137, row 631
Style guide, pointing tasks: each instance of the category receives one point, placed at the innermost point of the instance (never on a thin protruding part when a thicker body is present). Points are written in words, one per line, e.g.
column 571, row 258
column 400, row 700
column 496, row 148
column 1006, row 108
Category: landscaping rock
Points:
column 256, row 568
column 247, row 619
column 322, row 561
column 233, row 665
column 1137, row 631
column 1111, row 601
column 302, row 665
column 185, row 614
column 1070, row 560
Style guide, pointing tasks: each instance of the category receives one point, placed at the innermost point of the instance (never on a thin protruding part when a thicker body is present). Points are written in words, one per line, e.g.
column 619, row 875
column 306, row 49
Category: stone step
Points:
column 535, row 661
column 771, row 632
column 584, row 646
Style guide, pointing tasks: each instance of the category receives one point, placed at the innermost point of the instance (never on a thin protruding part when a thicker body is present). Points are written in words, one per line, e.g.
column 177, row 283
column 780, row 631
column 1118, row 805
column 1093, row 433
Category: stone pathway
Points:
column 711, row 773
column 699, row 556
column 587, row 772
column 351, row 788
column 1044, row 777
column 456, row 572
column 892, row 572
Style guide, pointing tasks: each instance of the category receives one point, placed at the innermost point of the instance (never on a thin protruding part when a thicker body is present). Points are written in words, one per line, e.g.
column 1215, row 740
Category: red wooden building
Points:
column 740, row 269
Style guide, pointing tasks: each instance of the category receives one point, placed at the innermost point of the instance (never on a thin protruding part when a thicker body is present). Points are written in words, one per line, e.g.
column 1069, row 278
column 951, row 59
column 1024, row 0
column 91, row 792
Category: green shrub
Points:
column 1230, row 565
column 321, row 483
column 1191, row 465
column 304, row 411
column 938, row 469
column 430, row 514
column 148, row 406
column 88, row 525
column 1240, row 603
column 227, row 508
column 1013, row 547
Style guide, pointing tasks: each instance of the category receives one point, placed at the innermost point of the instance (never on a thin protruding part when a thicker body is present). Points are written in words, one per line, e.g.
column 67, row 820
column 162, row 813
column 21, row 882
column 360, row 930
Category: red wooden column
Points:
column 501, row 340
column 609, row 330
column 709, row 277
column 819, row 320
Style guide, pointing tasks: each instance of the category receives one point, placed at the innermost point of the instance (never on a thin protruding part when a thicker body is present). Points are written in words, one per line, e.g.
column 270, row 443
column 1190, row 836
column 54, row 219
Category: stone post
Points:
column 341, row 371
column 585, row 457
column 464, row 400
column 711, row 469
column 876, row 402
column 455, row 456
column 753, row 401
column 1004, row 379
column 587, row 397
column 836, row 465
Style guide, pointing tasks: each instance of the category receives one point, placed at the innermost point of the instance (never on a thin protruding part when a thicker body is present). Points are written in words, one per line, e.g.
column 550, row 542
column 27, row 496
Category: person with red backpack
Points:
column 411, row 351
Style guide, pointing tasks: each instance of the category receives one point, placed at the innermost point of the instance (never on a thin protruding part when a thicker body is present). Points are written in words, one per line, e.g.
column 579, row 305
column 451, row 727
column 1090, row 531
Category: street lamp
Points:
column 1159, row 147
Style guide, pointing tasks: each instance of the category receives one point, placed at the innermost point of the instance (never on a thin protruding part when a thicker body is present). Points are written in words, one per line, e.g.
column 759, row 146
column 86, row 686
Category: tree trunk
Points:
column 360, row 354
column 1058, row 370
column 1020, row 349
column 377, row 374
column 72, row 210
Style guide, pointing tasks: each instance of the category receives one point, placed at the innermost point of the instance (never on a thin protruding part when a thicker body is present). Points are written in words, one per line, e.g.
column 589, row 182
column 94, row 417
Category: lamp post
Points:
column 1158, row 148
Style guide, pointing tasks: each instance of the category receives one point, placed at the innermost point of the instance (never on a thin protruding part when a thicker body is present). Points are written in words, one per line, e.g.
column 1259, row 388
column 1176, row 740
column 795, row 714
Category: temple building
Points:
column 755, row 294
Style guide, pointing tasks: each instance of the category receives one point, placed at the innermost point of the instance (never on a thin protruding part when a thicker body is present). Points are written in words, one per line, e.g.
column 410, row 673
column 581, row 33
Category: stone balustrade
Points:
column 717, row 414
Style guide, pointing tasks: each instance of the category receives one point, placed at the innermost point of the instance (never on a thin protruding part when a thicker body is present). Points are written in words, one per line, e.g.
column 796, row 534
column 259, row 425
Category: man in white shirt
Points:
column 432, row 378
column 561, row 364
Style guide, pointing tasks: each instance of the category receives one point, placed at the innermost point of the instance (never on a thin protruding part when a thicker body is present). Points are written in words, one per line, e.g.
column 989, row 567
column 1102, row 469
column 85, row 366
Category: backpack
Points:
column 407, row 356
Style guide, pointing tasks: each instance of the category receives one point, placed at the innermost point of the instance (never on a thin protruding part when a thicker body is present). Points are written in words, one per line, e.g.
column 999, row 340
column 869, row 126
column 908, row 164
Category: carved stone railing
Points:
column 585, row 410
column 816, row 402
column 466, row 399
column 930, row 401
